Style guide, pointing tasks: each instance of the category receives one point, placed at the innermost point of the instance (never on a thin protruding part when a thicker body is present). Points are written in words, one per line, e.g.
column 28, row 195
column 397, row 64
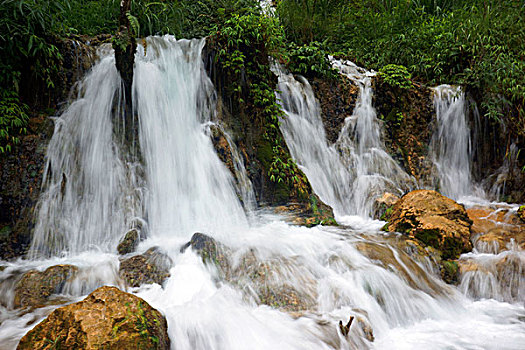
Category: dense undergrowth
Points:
column 475, row 43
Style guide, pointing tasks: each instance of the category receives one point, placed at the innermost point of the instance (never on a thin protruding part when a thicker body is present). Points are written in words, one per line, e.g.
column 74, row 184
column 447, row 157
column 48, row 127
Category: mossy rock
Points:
column 107, row 319
column 129, row 243
column 211, row 251
column 450, row 271
column 151, row 267
column 35, row 287
column 521, row 213
column 434, row 220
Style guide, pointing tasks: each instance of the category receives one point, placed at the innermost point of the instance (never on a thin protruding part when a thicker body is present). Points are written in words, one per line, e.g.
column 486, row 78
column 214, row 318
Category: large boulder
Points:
column 151, row 267
column 433, row 219
column 36, row 287
column 107, row 319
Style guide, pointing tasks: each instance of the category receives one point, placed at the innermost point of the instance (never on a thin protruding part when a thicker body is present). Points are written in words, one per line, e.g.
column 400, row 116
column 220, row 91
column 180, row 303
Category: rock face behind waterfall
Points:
column 107, row 319
column 433, row 219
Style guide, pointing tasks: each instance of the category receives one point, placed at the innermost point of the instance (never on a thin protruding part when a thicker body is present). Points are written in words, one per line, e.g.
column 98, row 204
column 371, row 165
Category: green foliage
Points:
column 13, row 120
column 310, row 60
column 244, row 43
column 396, row 76
column 475, row 43
column 25, row 27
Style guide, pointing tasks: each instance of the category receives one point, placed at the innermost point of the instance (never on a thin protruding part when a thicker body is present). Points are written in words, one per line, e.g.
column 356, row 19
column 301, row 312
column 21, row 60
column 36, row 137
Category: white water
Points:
column 491, row 271
column 451, row 146
column 356, row 170
column 91, row 193
column 172, row 95
column 186, row 189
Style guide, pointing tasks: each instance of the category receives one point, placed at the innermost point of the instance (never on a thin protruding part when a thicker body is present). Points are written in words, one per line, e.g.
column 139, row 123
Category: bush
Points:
column 396, row 76
column 13, row 120
column 310, row 60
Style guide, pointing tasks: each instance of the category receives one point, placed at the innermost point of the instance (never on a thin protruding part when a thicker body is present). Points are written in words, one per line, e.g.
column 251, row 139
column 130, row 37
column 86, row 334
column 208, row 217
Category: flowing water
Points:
column 356, row 170
column 316, row 276
column 451, row 146
column 495, row 269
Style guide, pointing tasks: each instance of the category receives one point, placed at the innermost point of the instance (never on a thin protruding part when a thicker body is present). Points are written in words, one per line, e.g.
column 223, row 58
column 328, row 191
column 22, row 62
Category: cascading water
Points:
column 490, row 271
column 287, row 286
column 304, row 133
column 91, row 192
column 189, row 188
column 451, row 145
column 354, row 171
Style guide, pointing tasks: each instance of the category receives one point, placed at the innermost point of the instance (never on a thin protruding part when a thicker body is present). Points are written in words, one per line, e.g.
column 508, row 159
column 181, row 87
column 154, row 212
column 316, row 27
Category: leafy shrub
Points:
column 243, row 44
column 310, row 60
column 13, row 120
column 396, row 76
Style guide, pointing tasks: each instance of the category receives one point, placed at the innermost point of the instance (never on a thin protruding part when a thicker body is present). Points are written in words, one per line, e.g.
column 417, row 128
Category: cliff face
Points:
column 22, row 169
column 408, row 116
column 239, row 115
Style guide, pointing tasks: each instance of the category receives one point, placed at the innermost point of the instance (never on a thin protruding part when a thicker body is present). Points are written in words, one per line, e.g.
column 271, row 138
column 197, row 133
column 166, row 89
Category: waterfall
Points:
column 93, row 194
column 451, row 144
column 189, row 188
column 304, row 133
column 356, row 170
column 281, row 286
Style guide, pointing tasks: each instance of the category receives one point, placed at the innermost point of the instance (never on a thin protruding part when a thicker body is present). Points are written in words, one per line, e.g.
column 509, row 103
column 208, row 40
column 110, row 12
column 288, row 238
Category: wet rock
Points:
column 450, row 271
column 107, row 319
column 35, row 287
column 408, row 115
column 221, row 145
column 280, row 283
column 365, row 328
column 211, row 252
column 521, row 213
column 309, row 214
column 337, row 99
column 434, row 220
column 151, row 267
column 402, row 264
column 496, row 229
column 129, row 243
column 383, row 206
column 500, row 277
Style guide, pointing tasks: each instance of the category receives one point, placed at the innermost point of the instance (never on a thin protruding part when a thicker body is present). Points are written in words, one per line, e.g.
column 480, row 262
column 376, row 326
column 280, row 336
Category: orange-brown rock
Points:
column 433, row 219
column 494, row 229
column 35, row 287
column 107, row 319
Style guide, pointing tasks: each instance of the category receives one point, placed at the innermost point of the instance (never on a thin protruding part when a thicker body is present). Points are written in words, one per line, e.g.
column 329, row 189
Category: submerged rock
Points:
column 313, row 213
column 434, row 220
column 210, row 251
column 107, row 319
column 383, row 206
column 496, row 229
column 129, row 243
column 35, row 287
column 489, row 276
column 151, row 267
